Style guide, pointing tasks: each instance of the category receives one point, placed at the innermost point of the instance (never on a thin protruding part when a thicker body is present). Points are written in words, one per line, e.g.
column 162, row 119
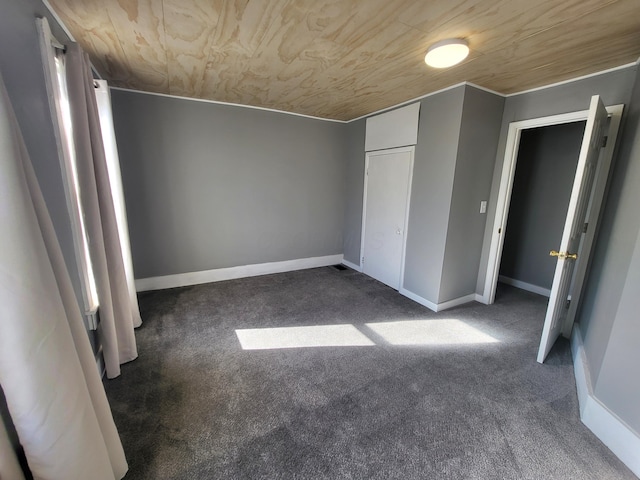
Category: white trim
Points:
column 411, row 149
column 619, row 437
column 575, row 79
column 485, row 89
column 352, row 266
column 529, row 287
column 401, row 104
column 386, row 109
column 58, row 19
column 438, row 307
column 471, row 84
column 229, row 104
column 455, row 302
column 506, row 186
column 480, row 299
column 230, row 273
column 417, row 298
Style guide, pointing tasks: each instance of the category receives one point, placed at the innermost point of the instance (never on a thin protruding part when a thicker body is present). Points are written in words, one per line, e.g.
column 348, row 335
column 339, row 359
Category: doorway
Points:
column 545, row 169
column 387, row 189
column 582, row 215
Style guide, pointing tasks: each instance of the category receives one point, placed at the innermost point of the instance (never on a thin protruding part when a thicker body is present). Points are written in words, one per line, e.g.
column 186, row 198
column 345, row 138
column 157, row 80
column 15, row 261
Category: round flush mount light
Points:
column 447, row 53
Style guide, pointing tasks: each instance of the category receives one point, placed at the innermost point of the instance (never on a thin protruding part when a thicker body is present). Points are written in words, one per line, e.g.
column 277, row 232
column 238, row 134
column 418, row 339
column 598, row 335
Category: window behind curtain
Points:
column 55, row 77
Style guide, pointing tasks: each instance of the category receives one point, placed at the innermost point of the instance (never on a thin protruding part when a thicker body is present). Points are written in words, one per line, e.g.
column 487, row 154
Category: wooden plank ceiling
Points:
column 342, row 59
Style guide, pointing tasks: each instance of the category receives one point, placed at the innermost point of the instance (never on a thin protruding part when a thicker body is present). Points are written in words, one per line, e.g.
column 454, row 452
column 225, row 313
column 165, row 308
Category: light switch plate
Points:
column 483, row 206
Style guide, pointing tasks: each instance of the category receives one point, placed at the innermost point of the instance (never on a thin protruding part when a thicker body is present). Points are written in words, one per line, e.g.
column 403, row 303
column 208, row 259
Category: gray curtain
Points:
column 118, row 311
column 47, row 369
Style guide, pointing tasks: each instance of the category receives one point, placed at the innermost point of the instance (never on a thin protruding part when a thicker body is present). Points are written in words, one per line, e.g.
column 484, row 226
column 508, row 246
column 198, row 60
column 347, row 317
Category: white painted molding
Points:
column 485, row 89
column 481, row 299
column 418, row 299
column 438, row 307
column 352, row 266
column 471, row 84
column 529, row 287
column 402, row 104
column 229, row 104
column 574, row 79
column 455, row 302
column 619, row 437
column 230, row 273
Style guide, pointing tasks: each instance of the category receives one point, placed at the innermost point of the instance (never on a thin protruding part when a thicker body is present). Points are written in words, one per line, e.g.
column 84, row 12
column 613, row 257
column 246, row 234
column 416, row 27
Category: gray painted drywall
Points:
column 545, row 170
column 354, row 175
column 431, row 191
column 618, row 385
column 614, row 88
column 609, row 314
column 211, row 186
column 479, row 131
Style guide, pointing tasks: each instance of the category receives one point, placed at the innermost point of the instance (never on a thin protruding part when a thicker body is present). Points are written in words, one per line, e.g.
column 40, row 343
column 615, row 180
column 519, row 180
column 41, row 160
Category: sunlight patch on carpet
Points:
column 301, row 337
column 430, row 332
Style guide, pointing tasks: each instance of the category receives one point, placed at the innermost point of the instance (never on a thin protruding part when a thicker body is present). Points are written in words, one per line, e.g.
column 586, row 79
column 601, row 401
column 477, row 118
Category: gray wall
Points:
column 431, row 190
column 618, row 386
column 614, row 88
column 609, row 313
column 546, row 167
column 354, row 175
column 479, row 130
column 211, row 186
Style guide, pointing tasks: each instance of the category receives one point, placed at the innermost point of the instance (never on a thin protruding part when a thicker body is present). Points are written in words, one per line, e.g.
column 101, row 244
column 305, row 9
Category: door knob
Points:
column 398, row 232
column 564, row 255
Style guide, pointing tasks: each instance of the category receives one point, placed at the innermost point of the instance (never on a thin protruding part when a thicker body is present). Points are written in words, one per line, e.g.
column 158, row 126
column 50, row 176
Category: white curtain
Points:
column 47, row 368
column 118, row 310
column 103, row 99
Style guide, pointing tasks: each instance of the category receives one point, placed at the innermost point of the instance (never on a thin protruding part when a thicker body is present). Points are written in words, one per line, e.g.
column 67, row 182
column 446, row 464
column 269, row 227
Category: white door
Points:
column 576, row 214
column 386, row 208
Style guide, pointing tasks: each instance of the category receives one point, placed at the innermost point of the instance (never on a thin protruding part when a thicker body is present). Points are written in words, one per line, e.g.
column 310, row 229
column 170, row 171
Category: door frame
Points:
column 411, row 149
column 506, row 187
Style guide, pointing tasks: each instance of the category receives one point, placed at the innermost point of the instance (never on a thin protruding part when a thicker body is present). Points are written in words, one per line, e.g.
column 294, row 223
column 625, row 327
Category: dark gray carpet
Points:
column 195, row 405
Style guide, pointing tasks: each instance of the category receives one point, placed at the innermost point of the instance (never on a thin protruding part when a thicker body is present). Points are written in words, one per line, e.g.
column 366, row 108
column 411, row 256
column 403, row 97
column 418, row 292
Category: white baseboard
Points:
column 621, row 439
column 437, row 307
column 529, row 287
column 352, row 266
column 230, row 273
column 456, row 301
column 418, row 299
column 481, row 299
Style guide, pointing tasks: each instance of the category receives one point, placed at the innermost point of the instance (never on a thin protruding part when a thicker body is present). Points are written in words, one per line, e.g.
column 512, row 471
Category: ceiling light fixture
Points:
column 447, row 53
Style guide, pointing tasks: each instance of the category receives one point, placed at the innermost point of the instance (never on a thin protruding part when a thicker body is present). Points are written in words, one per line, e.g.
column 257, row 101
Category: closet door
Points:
column 386, row 209
column 567, row 254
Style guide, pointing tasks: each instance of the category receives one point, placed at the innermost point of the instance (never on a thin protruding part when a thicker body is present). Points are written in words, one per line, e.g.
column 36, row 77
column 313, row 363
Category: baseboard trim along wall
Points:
column 230, row 273
column 352, row 266
column 621, row 439
column 437, row 307
column 529, row 287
